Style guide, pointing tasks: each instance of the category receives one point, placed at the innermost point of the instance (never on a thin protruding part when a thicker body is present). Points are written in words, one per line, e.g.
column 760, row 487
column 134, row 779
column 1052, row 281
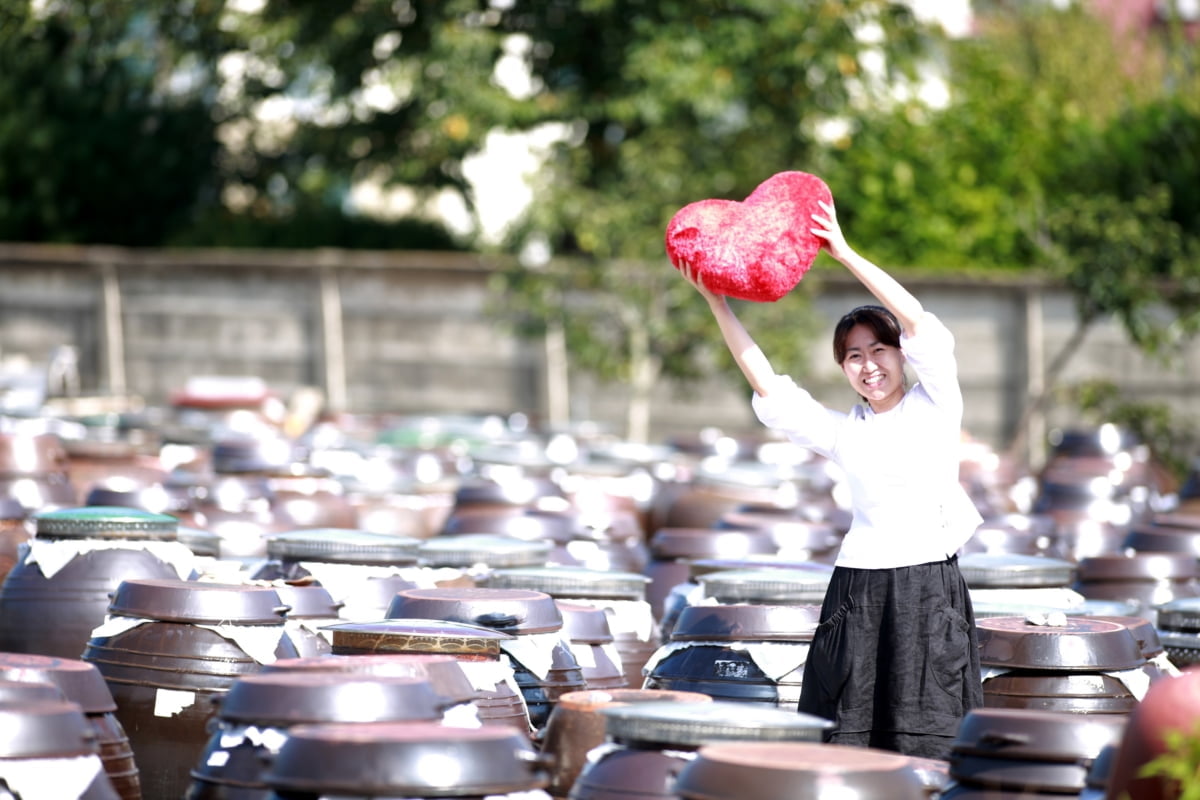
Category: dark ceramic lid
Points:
column 1142, row 629
column 766, row 586
column 521, row 524
column 282, row 699
column 516, row 611
column 198, row 602
column 443, row 672
column 692, row 543
column 45, row 730
column 105, row 522
column 793, row 532
column 1014, row 570
column 152, row 497
column 568, row 582
column 243, row 454
column 1084, row 643
column 306, row 601
column 378, row 591
column 1016, row 776
column 798, row 771
column 1177, row 521
column 26, row 692
column 687, row 724
column 1036, row 735
column 746, row 623
column 80, row 681
column 343, row 546
column 415, row 635
column 493, row 550
column 585, row 624
column 1139, row 567
column 406, row 760
column 1158, row 539
column 1037, row 685
column 1180, row 614
column 705, row 566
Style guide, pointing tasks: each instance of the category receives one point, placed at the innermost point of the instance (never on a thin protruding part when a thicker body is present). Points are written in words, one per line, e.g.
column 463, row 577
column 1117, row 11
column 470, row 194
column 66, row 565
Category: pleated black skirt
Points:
column 895, row 660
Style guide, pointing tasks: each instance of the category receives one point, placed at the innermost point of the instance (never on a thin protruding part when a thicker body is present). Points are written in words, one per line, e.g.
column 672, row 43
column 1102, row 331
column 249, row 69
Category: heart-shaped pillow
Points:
column 757, row 249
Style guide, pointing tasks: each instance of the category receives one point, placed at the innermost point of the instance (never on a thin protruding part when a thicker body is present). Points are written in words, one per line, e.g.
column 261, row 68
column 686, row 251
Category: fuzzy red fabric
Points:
column 757, row 249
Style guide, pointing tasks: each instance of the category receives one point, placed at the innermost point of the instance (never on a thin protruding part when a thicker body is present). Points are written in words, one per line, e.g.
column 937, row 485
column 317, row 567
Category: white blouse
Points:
column 901, row 465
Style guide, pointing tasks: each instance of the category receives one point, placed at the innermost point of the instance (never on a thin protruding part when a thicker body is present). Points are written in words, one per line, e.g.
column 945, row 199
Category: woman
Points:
column 894, row 662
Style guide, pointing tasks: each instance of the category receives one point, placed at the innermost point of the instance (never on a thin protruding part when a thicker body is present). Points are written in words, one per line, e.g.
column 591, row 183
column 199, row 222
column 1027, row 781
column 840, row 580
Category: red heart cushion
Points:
column 757, row 249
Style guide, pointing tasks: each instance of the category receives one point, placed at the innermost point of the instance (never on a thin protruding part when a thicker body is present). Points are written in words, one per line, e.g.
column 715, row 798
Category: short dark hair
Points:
column 879, row 320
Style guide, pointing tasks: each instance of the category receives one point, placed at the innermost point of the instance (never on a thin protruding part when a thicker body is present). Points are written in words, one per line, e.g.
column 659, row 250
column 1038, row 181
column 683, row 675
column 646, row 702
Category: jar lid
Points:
column 690, row 724
column 306, row 601
column 343, row 546
column 27, row 692
column 283, row 699
column 568, row 582
column 397, row 760
column 1085, row 643
column 704, row 566
column 516, row 492
column 1014, row 570
column 1139, row 566
column 80, row 681
column 766, row 586
column 516, row 611
column 493, row 550
column 443, row 672
column 1036, row 734
column 585, row 624
column 1161, row 539
column 798, row 771
column 197, row 602
column 792, row 531
column 415, row 635
column 692, row 543
column 105, row 522
column 1180, row 614
column 746, row 623
column 45, row 730
column 518, row 524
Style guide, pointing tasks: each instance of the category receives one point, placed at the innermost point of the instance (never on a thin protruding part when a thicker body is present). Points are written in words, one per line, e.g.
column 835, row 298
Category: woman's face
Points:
column 875, row 370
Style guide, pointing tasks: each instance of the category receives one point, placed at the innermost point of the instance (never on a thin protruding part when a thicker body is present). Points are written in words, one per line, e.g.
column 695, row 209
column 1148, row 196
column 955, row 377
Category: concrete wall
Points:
column 410, row 333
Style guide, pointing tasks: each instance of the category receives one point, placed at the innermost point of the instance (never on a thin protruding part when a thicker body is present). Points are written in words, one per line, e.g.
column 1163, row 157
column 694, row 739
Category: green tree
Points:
column 663, row 104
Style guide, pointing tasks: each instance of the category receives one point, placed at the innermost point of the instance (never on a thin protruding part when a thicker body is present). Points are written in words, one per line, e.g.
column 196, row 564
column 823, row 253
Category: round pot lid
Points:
column 406, row 760
column 772, row 585
column 283, row 699
column 105, row 522
column 790, row 531
column 197, row 602
column 519, row 524
column 493, row 550
column 693, row 543
column 1084, row 643
column 306, row 601
column 1139, row 567
column 29, row 693
column 518, row 492
column 797, row 771
column 1160, row 539
column 585, row 624
column 516, row 611
column 80, row 681
column 443, row 672
column 1019, row 775
column 1143, row 631
column 343, row 546
column 1031, row 684
column 1036, row 735
column 1014, row 570
column 45, row 730
column 412, row 635
column 569, row 582
column 1180, row 614
column 688, row 724
column 741, row 623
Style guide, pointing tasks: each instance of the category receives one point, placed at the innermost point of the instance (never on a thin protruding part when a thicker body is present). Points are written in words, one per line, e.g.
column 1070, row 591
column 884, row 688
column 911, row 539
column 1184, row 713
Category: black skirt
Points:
column 894, row 662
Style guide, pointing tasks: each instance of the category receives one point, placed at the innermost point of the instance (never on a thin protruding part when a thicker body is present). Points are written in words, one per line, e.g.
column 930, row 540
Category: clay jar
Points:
column 649, row 744
column 476, row 649
column 577, row 726
column 34, row 470
column 169, row 648
column 543, row 663
column 740, row 653
column 620, row 595
column 47, row 749
column 258, row 710
column 59, row 592
column 81, row 683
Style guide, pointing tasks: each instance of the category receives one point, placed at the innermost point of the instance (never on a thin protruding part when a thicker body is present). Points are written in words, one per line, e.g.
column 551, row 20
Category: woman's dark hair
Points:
column 878, row 319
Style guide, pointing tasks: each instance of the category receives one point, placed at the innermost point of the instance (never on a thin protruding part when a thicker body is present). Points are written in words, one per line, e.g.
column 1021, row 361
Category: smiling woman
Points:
column 888, row 677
